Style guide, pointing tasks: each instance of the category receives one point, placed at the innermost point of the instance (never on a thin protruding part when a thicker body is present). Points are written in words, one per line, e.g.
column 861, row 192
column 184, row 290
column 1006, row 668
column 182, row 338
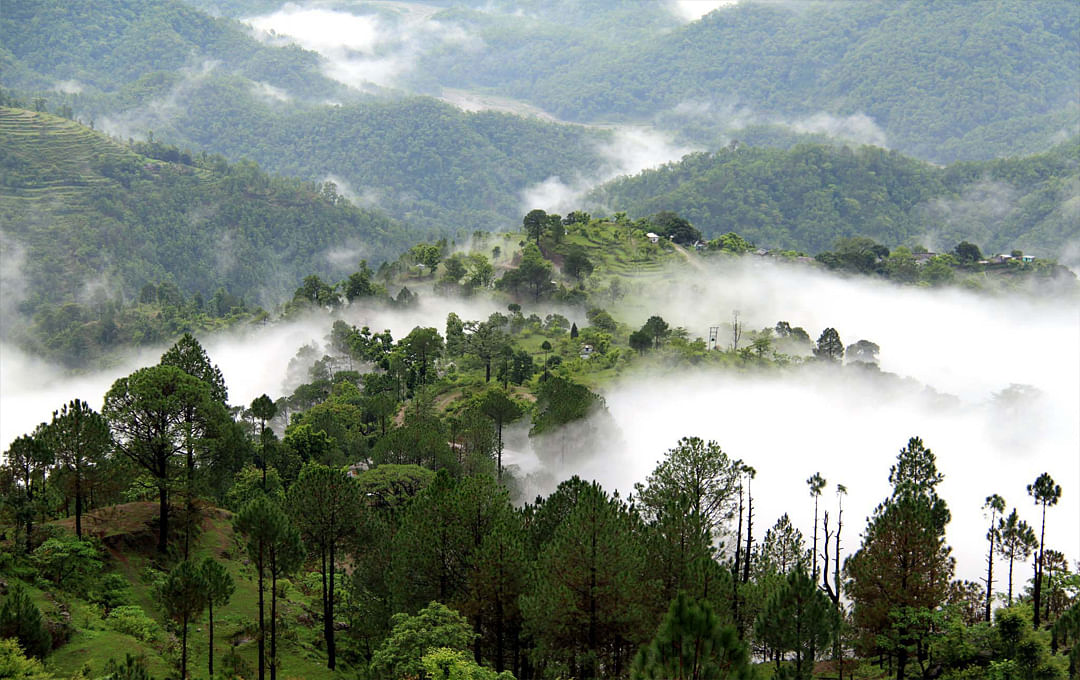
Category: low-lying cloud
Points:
column 723, row 120
column 692, row 10
column 630, row 150
column 991, row 384
column 361, row 50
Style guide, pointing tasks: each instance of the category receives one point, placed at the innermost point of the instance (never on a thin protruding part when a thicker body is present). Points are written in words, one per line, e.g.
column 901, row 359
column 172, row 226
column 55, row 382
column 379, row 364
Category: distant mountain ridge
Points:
column 941, row 80
column 808, row 197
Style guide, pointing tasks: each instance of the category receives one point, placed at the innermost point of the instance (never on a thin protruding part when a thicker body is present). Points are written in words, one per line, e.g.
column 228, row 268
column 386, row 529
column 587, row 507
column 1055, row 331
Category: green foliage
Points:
column 132, row 668
column 252, row 214
column 70, row 563
column 692, row 644
column 449, row 664
column 813, row 197
column 933, row 77
column 21, row 620
column 249, row 485
column 588, row 594
column 14, row 664
column 797, row 617
column 113, row 591
column 900, row 575
column 560, row 401
column 435, row 627
column 130, row 619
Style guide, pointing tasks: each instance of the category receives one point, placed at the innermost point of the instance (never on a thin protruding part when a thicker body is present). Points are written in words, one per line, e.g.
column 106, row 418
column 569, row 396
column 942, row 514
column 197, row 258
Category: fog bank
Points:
column 952, row 360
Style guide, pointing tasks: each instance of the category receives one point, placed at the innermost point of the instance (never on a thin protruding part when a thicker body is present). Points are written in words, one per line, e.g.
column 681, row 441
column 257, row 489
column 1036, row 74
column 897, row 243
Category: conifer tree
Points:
column 149, row 412
column 903, row 567
column 692, row 644
column 28, row 457
column 325, row 503
column 21, row 619
column 219, row 589
column 79, row 438
column 267, row 529
column 588, row 600
column 1045, row 493
column 797, row 618
column 1017, row 541
column 996, row 505
column 183, row 596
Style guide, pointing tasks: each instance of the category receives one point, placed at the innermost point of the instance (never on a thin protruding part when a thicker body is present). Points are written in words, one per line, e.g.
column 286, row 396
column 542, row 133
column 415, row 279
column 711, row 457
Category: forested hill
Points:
column 97, row 48
column 208, row 84
column 942, row 80
column 808, row 197
column 80, row 211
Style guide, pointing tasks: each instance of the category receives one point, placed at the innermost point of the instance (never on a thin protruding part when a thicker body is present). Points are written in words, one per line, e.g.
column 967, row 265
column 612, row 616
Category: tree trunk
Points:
column 1039, row 569
column 273, row 619
column 183, row 650
column 210, row 667
column 163, row 509
column 78, row 501
column 990, row 570
column 1010, row 577
column 331, row 652
column 262, row 620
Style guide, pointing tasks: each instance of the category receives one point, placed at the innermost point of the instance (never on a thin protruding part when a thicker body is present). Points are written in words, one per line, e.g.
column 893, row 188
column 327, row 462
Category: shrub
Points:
column 131, row 620
column 113, row 591
column 68, row 562
column 14, row 664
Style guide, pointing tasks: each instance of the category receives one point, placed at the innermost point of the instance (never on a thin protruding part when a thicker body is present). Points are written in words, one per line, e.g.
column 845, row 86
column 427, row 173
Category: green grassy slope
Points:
column 128, row 547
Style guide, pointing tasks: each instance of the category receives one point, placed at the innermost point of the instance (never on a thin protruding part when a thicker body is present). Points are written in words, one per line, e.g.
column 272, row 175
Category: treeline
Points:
column 808, row 197
column 417, row 560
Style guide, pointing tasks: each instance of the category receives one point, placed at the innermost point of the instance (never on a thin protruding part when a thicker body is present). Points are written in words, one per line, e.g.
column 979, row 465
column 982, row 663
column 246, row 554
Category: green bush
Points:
column 113, row 591
column 132, row 620
column 68, row 562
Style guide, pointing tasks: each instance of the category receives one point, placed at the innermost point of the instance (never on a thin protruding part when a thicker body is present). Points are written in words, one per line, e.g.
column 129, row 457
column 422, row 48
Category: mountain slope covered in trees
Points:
column 208, row 85
column 944, row 81
column 808, row 197
column 80, row 211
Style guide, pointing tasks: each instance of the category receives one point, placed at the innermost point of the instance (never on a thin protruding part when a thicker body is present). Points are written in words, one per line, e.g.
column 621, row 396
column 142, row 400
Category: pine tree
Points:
column 79, row 438
column 266, row 527
column 28, row 457
column 183, row 596
column 21, row 619
column 1017, row 542
column 219, row 589
column 692, row 644
column 996, row 505
column 903, row 567
column 1045, row 493
column 797, row 618
column 325, row 503
column 588, row 600
column 150, row 413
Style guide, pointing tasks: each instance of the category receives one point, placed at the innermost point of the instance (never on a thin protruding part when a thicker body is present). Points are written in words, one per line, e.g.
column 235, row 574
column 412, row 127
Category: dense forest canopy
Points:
column 811, row 195
column 80, row 208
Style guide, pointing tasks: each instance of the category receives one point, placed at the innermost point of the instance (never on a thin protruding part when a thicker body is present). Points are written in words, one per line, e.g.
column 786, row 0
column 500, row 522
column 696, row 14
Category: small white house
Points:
column 655, row 238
